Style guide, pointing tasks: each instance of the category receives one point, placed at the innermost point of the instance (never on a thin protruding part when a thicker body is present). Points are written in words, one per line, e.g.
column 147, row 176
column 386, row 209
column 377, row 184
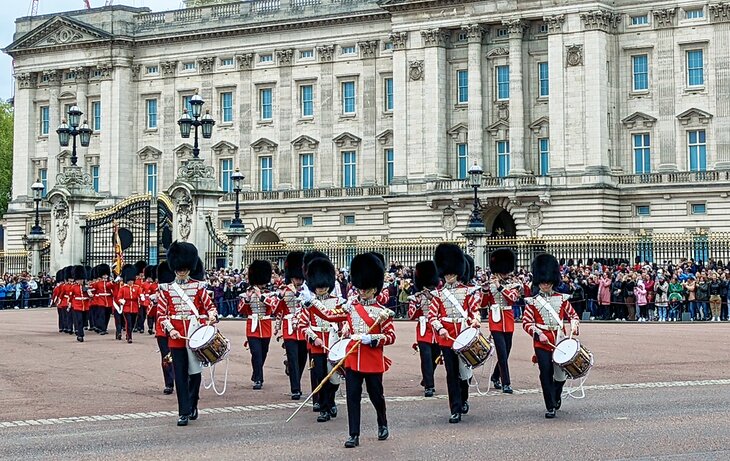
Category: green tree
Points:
column 6, row 154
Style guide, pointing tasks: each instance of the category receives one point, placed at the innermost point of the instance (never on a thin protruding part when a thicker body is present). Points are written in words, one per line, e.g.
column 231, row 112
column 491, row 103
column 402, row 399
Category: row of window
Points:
column 308, row 221
column 695, row 70
column 94, row 117
column 501, row 78
column 689, row 13
column 503, row 158
column 696, row 151
column 693, row 208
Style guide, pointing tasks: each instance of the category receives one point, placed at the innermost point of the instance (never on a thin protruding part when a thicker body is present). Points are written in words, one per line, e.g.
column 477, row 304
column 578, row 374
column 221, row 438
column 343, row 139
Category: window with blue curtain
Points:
column 227, row 106
column 640, row 64
column 695, row 68
column 388, row 94
column 462, row 153
column 96, row 115
column 43, row 176
column 389, row 166
column 462, row 77
column 348, row 97
column 151, row 113
column 307, row 97
column 307, row 168
column 349, row 169
column 267, row 174
column 544, row 147
column 151, row 178
column 503, row 160
column 265, row 101
column 697, row 145
column 95, row 177
column 226, row 170
column 45, row 120
column 502, row 82
column 642, row 153
column 544, row 79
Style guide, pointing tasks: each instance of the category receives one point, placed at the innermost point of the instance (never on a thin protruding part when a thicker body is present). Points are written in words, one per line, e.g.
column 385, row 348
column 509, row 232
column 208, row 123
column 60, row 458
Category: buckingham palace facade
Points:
column 356, row 119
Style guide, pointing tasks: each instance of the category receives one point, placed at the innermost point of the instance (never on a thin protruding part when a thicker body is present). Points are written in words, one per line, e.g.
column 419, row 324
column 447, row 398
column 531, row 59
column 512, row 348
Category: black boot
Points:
column 167, row 391
column 383, row 432
column 182, row 420
column 429, row 392
column 496, row 385
column 323, row 417
column 333, row 411
column 507, row 389
column 352, row 442
column 194, row 415
column 550, row 414
column 465, row 408
column 455, row 418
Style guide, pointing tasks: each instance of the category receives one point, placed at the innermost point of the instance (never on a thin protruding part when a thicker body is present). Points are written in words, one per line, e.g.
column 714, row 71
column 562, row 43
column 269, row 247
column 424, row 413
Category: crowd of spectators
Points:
column 21, row 291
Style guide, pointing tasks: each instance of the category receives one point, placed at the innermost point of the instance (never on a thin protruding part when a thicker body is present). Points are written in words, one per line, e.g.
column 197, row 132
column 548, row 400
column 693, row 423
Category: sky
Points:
column 19, row 8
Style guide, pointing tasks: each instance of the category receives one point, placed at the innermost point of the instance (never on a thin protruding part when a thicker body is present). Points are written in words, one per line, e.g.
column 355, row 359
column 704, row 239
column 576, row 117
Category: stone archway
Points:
column 499, row 222
column 264, row 235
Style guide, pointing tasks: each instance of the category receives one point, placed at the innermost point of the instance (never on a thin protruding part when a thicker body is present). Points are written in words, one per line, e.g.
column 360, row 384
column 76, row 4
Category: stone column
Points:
column 245, row 111
column 34, row 258
column 25, row 134
column 400, row 112
column 720, row 15
column 286, row 161
column 238, row 239
column 435, row 160
column 122, row 132
column 516, row 98
column 371, row 106
column 55, row 115
column 556, row 109
column 327, row 155
column 664, row 20
column 475, row 32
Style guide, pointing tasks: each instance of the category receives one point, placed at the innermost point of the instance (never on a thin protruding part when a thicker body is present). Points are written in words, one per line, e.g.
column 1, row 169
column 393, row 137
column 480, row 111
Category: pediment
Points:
column 690, row 115
column 538, row 125
column 459, row 132
column 498, row 52
column 224, row 148
column 305, row 142
column 347, row 140
column 386, row 137
column 639, row 119
column 183, row 150
column 264, row 145
column 149, row 153
column 496, row 127
column 58, row 31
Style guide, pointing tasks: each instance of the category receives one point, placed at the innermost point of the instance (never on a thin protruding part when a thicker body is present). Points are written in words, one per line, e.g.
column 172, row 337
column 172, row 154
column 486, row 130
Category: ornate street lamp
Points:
column 72, row 129
column 37, row 188
column 194, row 120
column 475, row 180
column 237, row 178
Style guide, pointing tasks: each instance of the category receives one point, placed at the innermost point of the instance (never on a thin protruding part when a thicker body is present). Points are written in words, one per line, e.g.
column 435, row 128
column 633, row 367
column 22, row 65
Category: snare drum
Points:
column 335, row 354
column 208, row 344
column 573, row 358
column 473, row 347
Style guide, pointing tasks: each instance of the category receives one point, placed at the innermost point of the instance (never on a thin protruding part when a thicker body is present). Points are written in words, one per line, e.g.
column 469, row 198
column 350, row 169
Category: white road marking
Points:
column 294, row 405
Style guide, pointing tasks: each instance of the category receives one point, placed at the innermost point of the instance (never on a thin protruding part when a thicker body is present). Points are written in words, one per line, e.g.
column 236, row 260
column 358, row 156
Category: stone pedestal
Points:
column 35, row 242
column 196, row 194
column 72, row 199
column 238, row 237
column 476, row 244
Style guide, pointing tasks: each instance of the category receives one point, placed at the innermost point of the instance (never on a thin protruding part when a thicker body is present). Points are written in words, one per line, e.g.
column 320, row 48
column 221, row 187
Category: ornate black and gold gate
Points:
column 164, row 225
column 219, row 247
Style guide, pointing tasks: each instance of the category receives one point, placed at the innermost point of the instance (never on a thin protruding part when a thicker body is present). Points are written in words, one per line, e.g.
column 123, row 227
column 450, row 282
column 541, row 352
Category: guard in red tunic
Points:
column 165, row 276
column 258, row 305
column 142, row 309
column 287, row 313
column 426, row 280
column 454, row 309
column 103, row 297
column 182, row 307
column 498, row 296
column 93, row 302
column 128, row 297
column 544, row 319
column 149, row 299
column 80, row 301
column 59, row 300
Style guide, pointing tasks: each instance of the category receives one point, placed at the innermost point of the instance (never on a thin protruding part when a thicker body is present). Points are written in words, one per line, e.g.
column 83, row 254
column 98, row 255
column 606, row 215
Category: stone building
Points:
column 360, row 119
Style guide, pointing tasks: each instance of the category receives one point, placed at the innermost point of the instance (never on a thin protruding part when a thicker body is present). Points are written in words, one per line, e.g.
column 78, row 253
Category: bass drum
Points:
column 574, row 358
column 209, row 345
column 335, row 354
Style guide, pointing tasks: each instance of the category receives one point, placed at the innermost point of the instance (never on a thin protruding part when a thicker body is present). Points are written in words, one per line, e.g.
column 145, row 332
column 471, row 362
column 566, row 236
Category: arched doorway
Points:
column 265, row 236
column 499, row 222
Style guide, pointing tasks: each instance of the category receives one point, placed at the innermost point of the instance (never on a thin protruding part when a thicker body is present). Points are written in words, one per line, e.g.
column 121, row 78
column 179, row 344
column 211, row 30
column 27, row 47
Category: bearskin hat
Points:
column 150, row 272
column 102, row 270
column 140, row 266
column 182, row 256
column 426, row 275
column 449, row 259
column 469, row 270
column 546, row 269
column 129, row 273
column 259, row 272
column 198, row 273
column 367, row 271
column 89, row 272
column 309, row 256
column 320, row 274
column 59, row 276
column 293, row 266
column 502, row 261
column 79, row 273
column 380, row 257
column 68, row 272
column 164, row 273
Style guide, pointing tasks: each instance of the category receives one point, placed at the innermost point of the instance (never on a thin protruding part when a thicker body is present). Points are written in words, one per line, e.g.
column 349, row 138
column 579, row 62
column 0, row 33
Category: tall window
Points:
column 43, row 176
column 349, row 169
column 95, row 177
column 306, row 95
column 151, row 178
column 695, row 68
column 462, row 77
column 462, row 152
column 544, row 147
column 151, row 113
column 187, row 105
column 544, row 79
column 45, row 120
column 388, row 94
column 389, row 166
column 265, row 103
column 642, row 153
column 227, row 106
column 226, row 169
column 267, row 174
column 502, row 158
column 640, row 65
column 502, row 82
column 307, row 169
column 697, row 147
column 96, row 115
column 348, row 97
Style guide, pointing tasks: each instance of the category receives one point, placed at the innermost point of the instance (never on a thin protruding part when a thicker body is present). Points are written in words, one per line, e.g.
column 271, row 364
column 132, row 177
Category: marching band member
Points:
column 321, row 334
column 309, row 256
column 80, row 299
column 498, row 296
column 182, row 306
column 118, row 311
column 543, row 319
column 65, row 299
column 58, row 300
column 139, row 281
column 258, row 305
column 452, row 311
column 287, row 313
column 149, row 301
column 103, row 297
column 426, row 280
column 93, row 301
column 129, row 296
column 165, row 276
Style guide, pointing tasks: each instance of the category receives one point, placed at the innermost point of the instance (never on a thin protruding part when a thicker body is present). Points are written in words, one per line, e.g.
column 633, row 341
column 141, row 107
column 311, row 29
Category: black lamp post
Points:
column 475, row 180
column 72, row 129
column 237, row 178
column 188, row 121
column 37, row 188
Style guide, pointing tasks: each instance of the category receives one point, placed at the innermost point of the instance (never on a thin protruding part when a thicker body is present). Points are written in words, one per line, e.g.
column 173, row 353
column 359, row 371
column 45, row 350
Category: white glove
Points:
column 366, row 339
column 306, row 296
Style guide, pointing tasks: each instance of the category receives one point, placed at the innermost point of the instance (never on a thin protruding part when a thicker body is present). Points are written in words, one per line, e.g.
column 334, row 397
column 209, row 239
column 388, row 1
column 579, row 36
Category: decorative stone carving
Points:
column 574, row 55
column 497, row 52
column 415, row 70
column 499, row 129
column 136, row 68
column 534, row 218
column 75, row 179
column 600, row 20
column 474, row 32
column 80, row 73
column 284, row 57
column 326, row 53
column 264, row 145
column 149, row 153
column 195, row 170
column 385, row 138
column 540, row 126
column 449, row 220
column 368, row 48
column 183, row 151
column 720, row 12
column 206, row 64
column 399, row 39
column 515, row 27
column 63, row 36
column 503, row 110
column 223, row 148
column 347, row 140
column 61, row 214
column 184, row 212
column 26, row 80
column 104, row 70
column 51, row 77
column 639, row 118
column 245, row 61
column 694, row 116
column 305, row 142
column 554, row 23
column 168, row 68
column 664, row 17
column 459, row 132
column 434, row 37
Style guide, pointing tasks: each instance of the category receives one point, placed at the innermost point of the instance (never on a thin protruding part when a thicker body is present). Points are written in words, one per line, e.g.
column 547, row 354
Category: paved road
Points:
column 657, row 392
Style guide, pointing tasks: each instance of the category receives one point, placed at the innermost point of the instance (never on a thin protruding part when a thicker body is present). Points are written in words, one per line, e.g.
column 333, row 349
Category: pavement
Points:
column 657, row 392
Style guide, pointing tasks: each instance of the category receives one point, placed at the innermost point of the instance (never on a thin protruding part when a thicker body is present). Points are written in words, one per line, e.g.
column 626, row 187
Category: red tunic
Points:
column 174, row 312
column 313, row 322
column 130, row 294
column 383, row 297
column 441, row 316
column 103, row 293
column 418, row 310
column 80, row 300
column 537, row 319
column 259, row 314
column 287, row 312
column 494, row 299
column 58, row 300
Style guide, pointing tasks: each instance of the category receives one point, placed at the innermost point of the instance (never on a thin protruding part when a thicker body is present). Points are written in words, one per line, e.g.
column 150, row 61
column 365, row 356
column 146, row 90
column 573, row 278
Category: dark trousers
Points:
column 151, row 323
column 429, row 353
column 80, row 318
column 259, row 348
column 94, row 316
column 61, row 322
column 326, row 395
column 551, row 389
column 187, row 386
column 458, row 388
column 374, row 384
column 139, row 324
column 67, row 320
column 167, row 372
column 130, row 320
column 503, row 344
column 104, row 316
column 118, row 322
column 296, row 358
column 313, row 380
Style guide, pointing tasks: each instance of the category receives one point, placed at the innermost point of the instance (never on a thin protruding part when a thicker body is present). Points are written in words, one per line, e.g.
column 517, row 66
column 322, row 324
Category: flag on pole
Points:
column 118, row 251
